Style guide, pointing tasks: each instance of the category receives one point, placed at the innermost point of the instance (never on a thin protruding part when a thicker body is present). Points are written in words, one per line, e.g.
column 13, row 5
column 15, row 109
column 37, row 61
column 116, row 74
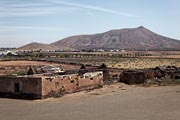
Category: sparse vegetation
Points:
column 126, row 60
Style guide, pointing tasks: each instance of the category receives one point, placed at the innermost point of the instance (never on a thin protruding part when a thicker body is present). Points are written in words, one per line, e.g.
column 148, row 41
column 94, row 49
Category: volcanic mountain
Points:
column 129, row 39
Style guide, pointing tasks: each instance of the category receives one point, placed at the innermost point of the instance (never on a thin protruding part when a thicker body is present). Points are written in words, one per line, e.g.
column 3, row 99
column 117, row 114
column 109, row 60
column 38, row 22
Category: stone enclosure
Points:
column 39, row 86
column 56, row 83
column 145, row 75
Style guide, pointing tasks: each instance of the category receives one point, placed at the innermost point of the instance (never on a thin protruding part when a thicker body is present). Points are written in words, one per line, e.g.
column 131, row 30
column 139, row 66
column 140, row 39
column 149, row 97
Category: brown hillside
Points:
column 130, row 39
column 38, row 46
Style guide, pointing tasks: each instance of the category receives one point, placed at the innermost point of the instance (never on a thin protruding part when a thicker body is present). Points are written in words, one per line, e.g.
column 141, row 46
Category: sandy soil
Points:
column 141, row 63
column 164, row 56
column 24, row 63
column 13, row 67
column 115, row 102
column 36, row 63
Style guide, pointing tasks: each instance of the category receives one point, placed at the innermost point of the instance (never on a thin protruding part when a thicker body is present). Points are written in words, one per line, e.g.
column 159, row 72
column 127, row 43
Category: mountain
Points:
column 129, row 39
column 38, row 46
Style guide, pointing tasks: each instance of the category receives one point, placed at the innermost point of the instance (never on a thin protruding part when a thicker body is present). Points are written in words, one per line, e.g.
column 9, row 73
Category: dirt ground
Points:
column 141, row 63
column 164, row 56
column 35, row 63
column 24, row 63
column 114, row 102
column 13, row 67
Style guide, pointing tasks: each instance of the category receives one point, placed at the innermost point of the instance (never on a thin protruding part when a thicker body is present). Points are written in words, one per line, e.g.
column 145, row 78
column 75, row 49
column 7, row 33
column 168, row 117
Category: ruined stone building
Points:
column 39, row 86
column 141, row 76
column 51, row 81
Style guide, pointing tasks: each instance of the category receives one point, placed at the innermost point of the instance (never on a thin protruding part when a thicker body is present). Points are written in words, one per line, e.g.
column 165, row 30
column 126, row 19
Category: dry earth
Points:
column 164, row 56
column 114, row 102
column 13, row 67
column 140, row 63
column 36, row 63
column 24, row 63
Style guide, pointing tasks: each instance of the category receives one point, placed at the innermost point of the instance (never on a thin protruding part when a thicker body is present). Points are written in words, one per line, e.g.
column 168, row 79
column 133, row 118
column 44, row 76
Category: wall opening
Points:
column 17, row 88
column 72, row 81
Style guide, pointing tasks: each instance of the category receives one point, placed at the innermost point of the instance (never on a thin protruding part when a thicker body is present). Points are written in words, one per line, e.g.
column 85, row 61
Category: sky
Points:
column 46, row 21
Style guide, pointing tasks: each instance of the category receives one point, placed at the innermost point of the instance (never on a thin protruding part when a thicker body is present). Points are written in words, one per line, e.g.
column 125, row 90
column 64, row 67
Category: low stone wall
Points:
column 132, row 77
column 20, row 87
column 141, row 76
column 40, row 86
column 59, row 85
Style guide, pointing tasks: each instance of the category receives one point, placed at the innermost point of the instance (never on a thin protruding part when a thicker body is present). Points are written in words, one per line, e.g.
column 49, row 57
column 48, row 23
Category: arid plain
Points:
column 114, row 102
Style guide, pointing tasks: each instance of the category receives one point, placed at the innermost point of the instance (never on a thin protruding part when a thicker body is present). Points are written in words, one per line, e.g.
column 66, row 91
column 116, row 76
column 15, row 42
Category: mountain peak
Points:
column 139, row 38
column 141, row 27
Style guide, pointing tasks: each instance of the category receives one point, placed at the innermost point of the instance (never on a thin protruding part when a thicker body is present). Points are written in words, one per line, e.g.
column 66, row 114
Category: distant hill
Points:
column 38, row 46
column 129, row 39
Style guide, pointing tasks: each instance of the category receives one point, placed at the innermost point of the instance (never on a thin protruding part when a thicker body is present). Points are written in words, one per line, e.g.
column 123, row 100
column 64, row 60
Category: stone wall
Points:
column 43, row 86
column 20, row 87
column 142, row 75
column 59, row 85
column 132, row 77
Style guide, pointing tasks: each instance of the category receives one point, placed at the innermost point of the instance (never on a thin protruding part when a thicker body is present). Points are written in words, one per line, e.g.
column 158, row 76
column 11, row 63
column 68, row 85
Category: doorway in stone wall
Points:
column 16, row 88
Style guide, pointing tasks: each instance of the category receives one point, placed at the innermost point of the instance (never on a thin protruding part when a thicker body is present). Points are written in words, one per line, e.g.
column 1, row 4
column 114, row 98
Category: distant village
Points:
column 14, row 51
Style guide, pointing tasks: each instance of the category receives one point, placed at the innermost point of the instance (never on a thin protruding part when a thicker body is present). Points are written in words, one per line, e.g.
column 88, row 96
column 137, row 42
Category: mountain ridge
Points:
column 139, row 38
column 37, row 46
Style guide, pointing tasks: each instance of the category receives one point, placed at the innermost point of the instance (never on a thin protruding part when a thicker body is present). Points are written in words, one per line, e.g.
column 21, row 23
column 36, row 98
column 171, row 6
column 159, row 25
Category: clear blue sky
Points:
column 46, row 21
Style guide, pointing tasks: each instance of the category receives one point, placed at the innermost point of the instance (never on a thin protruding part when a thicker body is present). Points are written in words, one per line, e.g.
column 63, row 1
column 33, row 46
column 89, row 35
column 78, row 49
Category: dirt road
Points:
column 129, row 103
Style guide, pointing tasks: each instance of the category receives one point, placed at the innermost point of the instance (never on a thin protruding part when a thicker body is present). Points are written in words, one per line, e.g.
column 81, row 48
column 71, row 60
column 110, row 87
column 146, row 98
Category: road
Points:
column 134, row 103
